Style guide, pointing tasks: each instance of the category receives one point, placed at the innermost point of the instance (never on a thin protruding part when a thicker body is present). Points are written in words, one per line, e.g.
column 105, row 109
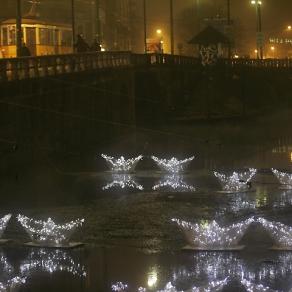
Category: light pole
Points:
column 171, row 27
column 98, row 32
column 73, row 23
column 229, row 24
column 18, row 28
column 273, row 51
column 159, row 34
column 145, row 26
column 258, row 4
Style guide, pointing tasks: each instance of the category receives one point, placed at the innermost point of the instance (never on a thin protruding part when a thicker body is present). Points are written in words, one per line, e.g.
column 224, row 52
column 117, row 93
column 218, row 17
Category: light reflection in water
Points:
column 123, row 181
column 51, row 261
column 174, row 182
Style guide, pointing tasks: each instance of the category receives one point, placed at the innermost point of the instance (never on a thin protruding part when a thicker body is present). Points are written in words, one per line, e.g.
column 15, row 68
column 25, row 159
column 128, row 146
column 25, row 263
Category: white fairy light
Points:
column 210, row 235
column 237, row 182
column 3, row 223
column 119, row 287
column 121, row 164
column 284, row 178
column 48, row 232
column 51, row 262
column 251, row 287
column 123, row 181
column 282, row 234
column 172, row 165
column 175, row 182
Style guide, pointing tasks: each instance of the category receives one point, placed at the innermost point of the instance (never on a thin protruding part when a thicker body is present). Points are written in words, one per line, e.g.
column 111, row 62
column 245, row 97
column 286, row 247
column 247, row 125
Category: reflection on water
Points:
column 123, row 181
column 173, row 182
column 51, row 261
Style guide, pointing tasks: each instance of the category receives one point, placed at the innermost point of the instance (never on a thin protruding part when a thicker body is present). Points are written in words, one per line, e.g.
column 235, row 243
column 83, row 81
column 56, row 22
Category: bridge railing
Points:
column 43, row 66
column 257, row 63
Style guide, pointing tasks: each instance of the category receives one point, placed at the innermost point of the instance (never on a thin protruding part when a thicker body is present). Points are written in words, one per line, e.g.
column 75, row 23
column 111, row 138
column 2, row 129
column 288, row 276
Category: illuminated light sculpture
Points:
column 48, row 233
column 282, row 234
column 284, row 178
column 174, row 182
column 51, row 261
column 172, row 165
column 119, row 287
column 123, row 181
column 121, row 164
column 210, row 236
column 283, row 200
column 3, row 224
column 237, row 182
column 12, row 284
column 252, row 287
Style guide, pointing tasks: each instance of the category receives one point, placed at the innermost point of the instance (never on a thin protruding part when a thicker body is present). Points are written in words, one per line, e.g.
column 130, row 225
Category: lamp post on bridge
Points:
column 73, row 23
column 258, row 4
column 18, row 28
column 145, row 25
column 171, row 27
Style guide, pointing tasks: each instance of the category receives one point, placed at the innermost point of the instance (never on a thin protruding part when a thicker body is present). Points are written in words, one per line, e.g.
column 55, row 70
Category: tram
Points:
column 41, row 37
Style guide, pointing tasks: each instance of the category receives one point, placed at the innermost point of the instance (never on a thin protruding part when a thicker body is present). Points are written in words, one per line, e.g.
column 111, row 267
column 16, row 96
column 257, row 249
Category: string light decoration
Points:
column 121, row 164
column 12, row 284
column 172, row 165
column 123, row 181
column 282, row 234
column 119, row 287
column 209, row 235
column 3, row 223
column 48, row 232
column 252, row 287
column 237, row 182
column 51, row 261
column 284, row 178
column 175, row 182
column 283, row 200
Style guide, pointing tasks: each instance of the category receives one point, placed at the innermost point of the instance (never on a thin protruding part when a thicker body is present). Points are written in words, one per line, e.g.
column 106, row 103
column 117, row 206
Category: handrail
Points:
column 52, row 65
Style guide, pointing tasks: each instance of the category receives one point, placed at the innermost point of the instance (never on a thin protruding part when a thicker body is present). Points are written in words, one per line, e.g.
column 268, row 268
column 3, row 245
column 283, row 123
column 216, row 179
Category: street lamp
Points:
column 273, row 51
column 289, row 27
column 258, row 4
column 159, row 34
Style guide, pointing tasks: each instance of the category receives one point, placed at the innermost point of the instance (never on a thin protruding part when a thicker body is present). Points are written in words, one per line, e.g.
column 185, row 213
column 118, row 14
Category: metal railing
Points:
column 52, row 65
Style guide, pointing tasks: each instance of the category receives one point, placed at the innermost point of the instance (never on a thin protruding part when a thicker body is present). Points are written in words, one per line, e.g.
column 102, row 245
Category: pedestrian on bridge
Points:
column 81, row 45
column 96, row 46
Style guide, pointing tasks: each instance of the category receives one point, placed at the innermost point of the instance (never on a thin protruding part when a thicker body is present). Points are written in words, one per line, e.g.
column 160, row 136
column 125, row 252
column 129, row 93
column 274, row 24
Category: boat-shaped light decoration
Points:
column 123, row 181
column 3, row 223
column 252, row 287
column 284, row 178
column 172, row 165
column 209, row 235
column 12, row 284
column 119, row 287
column 174, row 182
column 282, row 234
column 121, row 164
column 48, row 232
column 237, row 182
column 51, row 261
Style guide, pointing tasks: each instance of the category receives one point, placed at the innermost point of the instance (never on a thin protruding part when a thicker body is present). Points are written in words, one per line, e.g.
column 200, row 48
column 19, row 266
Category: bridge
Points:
column 44, row 66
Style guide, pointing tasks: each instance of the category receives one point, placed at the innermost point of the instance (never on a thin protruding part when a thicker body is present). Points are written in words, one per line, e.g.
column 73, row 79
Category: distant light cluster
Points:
column 119, row 287
column 123, row 181
column 282, row 234
column 237, row 182
column 172, row 165
column 3, row 223
column 211, row 235
column 175, row 182
column 121, row 164
column 51, row 261
column 47, row 232
column 284, row 178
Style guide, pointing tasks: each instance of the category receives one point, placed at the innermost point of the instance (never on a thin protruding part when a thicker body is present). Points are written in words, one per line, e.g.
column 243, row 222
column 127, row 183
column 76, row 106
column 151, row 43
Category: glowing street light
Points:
column 289, row 27
column 159, row 31
column 273, row 51
column 258, row 4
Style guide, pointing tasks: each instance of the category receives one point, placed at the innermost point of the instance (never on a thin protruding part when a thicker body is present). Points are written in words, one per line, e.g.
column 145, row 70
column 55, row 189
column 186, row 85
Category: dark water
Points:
column 128, row 231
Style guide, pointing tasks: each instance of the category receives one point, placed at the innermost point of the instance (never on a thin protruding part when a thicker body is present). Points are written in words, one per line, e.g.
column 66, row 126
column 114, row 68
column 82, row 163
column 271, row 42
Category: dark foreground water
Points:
column 131, row 243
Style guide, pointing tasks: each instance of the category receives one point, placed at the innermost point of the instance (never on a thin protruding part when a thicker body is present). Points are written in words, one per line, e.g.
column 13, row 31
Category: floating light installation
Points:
column 3, row 223
column 121, row 164
column 209, row 235
column 284, row 178
column 172, row 165
column 51, row 261
column 119, row 287
column 123, row 181
column 252, row 287
column 237, row 182
column 282, row 234
column 48, row 232
column 12, row 284
column 175, row 182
